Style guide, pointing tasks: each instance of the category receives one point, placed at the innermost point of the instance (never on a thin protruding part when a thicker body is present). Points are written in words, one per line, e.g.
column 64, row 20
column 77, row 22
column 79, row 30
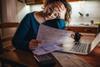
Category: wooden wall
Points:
column 8, row 10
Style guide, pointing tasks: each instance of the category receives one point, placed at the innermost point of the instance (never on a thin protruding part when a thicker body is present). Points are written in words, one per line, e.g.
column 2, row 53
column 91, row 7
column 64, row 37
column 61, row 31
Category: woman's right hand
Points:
column 34, row 43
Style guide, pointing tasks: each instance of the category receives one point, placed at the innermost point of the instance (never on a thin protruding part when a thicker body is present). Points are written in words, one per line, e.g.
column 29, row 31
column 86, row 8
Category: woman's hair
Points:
column 66, row 4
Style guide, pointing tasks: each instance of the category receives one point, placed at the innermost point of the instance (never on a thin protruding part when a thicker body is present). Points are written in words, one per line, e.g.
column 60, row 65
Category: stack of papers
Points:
column 51, row 39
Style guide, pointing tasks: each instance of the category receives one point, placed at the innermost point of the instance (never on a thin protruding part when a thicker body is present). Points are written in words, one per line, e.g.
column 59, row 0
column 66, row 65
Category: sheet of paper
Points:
column 50, row 35
column 46, row 49
column 51, row 39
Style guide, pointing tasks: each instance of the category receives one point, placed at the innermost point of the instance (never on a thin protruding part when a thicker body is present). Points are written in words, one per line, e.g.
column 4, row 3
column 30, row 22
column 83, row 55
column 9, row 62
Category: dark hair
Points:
column 66, row 4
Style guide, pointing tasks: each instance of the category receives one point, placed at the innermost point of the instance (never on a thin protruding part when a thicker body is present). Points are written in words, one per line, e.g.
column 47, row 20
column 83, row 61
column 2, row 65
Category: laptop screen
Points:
column 95, row 42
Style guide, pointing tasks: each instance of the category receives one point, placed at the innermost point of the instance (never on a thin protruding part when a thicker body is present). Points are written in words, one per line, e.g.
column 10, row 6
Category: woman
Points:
column 54, row 14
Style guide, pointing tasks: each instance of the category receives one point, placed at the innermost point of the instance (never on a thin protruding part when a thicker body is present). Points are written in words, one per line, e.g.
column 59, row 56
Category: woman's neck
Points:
column 39, row 16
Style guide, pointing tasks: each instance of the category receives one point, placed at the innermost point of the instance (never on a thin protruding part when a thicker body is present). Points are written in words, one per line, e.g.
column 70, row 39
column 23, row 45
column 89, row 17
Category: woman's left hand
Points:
column 61, row 10
column 34, row 43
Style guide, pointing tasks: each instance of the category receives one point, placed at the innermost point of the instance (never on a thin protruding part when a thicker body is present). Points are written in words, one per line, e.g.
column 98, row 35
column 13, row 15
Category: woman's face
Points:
column 55, row 9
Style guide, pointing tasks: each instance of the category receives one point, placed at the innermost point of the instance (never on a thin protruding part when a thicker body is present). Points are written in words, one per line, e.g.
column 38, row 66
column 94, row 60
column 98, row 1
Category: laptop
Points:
column 83, row 47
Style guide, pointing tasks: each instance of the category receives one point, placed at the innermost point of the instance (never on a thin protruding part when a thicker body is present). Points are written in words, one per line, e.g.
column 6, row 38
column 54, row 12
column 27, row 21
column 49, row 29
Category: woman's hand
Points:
column 61, row 10
column 56, row 11
column 34, row 43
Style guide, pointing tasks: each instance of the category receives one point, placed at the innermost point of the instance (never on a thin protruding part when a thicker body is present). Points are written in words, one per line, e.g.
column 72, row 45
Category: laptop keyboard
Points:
column 79, row 47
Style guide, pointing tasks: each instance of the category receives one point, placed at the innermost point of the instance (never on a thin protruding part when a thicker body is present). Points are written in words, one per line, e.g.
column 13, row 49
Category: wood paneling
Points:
column 8, row 10
column 31, row 2
column 8, row 25
column 82, row 29
column 72, row 0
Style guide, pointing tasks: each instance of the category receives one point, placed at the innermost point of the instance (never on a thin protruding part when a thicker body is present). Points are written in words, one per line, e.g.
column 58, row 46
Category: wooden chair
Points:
column 6, row 26
column 3, row 60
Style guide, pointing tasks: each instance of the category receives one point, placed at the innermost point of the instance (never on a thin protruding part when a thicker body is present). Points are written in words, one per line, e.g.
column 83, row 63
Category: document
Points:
column 45, row 49
column 51, row 39
column 50, row 35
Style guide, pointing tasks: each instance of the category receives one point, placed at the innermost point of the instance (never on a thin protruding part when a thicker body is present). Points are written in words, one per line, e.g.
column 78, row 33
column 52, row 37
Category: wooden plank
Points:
column 82, row 29
column 70, row 60
column 8, row 25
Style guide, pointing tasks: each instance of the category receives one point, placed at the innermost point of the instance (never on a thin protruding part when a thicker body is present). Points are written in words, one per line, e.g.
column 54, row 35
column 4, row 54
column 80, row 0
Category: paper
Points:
column 46, row 49
column 51, row 39
column 50, row 35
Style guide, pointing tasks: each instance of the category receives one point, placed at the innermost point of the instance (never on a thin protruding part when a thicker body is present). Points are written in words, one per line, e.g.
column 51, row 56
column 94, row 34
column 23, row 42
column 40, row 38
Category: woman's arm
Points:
column 19, row 40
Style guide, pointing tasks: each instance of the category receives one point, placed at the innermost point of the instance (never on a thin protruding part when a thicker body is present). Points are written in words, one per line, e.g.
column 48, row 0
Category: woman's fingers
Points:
column 34, row 43
column 60, row 6
column 55, row 10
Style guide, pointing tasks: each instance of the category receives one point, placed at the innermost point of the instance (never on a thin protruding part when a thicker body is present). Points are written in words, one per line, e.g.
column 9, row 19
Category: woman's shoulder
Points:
column 30, row 13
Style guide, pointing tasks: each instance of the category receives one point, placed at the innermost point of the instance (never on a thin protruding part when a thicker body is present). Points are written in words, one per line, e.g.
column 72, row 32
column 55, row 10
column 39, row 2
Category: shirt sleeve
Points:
column 56, row 23
column 61, row 24
column 19, row 41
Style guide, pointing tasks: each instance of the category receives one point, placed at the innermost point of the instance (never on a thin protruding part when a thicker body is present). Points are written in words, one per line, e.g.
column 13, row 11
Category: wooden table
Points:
column 93, row 58
column 27, row 57
column 23, row 57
